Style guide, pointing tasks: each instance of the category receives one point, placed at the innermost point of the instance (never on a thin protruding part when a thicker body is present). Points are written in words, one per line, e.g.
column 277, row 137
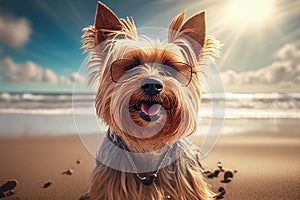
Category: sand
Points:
column 268, row 166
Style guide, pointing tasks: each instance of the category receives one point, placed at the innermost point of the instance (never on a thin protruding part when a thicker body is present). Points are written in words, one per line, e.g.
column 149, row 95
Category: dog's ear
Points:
column 195, row 27
column 175, row 27
column 193, row 30
column 106, row 23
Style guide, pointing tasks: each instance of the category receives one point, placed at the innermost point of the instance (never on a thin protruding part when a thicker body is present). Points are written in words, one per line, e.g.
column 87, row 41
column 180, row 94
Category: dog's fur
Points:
column 110, row 39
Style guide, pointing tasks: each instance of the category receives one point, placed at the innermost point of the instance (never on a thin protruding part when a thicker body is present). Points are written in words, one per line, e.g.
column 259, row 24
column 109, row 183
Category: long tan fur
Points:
column 182, row 180
column 110, row 40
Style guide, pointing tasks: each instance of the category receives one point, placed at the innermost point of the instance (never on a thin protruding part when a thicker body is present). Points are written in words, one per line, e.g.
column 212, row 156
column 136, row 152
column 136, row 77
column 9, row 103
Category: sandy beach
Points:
column 268, row 166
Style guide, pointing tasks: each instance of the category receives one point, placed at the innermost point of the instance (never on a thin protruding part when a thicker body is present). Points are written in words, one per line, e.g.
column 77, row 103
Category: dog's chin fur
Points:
column 117, row 104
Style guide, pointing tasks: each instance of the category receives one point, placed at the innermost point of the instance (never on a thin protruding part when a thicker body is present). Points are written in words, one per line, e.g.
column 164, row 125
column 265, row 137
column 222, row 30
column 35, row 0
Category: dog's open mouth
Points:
column 150, row 111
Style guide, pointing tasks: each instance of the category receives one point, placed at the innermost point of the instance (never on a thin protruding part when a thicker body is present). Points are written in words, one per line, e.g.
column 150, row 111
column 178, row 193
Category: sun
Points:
column 249, row 12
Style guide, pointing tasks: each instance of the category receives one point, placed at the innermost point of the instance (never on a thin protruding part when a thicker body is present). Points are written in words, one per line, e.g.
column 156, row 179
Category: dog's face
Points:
column 148, row 92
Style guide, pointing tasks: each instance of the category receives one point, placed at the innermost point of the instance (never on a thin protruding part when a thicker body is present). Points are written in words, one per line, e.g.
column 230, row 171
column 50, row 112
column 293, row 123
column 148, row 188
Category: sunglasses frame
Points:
column 112, row 77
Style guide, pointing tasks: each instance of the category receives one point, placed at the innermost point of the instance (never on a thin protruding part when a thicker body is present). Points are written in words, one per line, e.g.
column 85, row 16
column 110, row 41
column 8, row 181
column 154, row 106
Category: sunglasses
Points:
column 180, row 71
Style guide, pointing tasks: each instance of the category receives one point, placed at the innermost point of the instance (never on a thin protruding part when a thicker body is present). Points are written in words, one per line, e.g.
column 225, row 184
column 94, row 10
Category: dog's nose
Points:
column 152, row 86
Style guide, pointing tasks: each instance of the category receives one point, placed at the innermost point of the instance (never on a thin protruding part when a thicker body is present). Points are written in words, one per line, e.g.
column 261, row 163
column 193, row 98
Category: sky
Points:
column 40, row 40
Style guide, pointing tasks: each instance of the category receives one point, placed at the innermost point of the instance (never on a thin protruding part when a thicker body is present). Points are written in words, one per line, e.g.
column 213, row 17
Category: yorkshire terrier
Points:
column 148, row 94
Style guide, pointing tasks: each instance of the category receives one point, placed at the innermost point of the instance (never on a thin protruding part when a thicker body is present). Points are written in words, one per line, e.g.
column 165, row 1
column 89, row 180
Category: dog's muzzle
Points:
column 150, row 111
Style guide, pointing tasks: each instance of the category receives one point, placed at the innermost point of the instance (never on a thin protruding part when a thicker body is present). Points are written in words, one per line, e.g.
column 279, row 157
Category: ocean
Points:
column 52, row 113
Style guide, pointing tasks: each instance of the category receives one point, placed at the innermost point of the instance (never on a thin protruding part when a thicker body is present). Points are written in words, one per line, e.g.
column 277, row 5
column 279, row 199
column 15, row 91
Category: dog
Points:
column 148, row 94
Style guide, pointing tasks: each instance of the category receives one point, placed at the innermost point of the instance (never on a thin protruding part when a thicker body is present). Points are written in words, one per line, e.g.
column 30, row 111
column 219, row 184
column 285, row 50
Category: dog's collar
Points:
column 115, row 142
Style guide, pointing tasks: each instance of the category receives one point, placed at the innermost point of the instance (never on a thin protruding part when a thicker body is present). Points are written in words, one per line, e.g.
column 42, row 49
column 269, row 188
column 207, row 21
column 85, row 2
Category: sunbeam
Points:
column 245, row 13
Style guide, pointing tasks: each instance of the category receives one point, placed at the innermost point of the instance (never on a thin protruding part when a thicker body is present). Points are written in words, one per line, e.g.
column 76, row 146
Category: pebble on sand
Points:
column 68, row 172
column 227, row 175
column 221, row 193
column 6, row 189
column 46, row 185
column 220, row 166
column 9, row 185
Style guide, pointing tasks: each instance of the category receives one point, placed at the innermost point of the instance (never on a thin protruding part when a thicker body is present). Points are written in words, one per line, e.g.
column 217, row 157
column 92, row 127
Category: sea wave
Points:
column 237, row 105
column 45, row 97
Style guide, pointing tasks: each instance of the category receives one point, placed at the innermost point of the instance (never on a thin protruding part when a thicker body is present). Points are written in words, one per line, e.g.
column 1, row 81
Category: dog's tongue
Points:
column 150, row 110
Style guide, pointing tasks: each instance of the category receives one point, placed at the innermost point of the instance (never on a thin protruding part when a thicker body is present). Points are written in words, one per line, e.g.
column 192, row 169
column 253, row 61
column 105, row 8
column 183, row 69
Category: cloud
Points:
column 26, row 72
column 14, row 32
column 285, row 72
column 49, row 77
column 30, row 72
column 78, row 78
column 65, row 81
column 230, row 77
column 289, row 52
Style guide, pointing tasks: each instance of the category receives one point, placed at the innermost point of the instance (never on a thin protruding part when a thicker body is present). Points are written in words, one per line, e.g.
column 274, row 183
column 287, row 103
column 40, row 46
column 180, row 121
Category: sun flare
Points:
column 254, row 12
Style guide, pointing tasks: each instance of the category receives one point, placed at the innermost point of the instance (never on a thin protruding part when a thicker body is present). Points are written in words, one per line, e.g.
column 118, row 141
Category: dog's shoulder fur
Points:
column 183, row 179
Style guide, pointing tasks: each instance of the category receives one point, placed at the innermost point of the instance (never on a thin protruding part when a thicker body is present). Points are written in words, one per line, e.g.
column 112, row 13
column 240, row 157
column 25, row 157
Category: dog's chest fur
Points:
column 178, row 180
